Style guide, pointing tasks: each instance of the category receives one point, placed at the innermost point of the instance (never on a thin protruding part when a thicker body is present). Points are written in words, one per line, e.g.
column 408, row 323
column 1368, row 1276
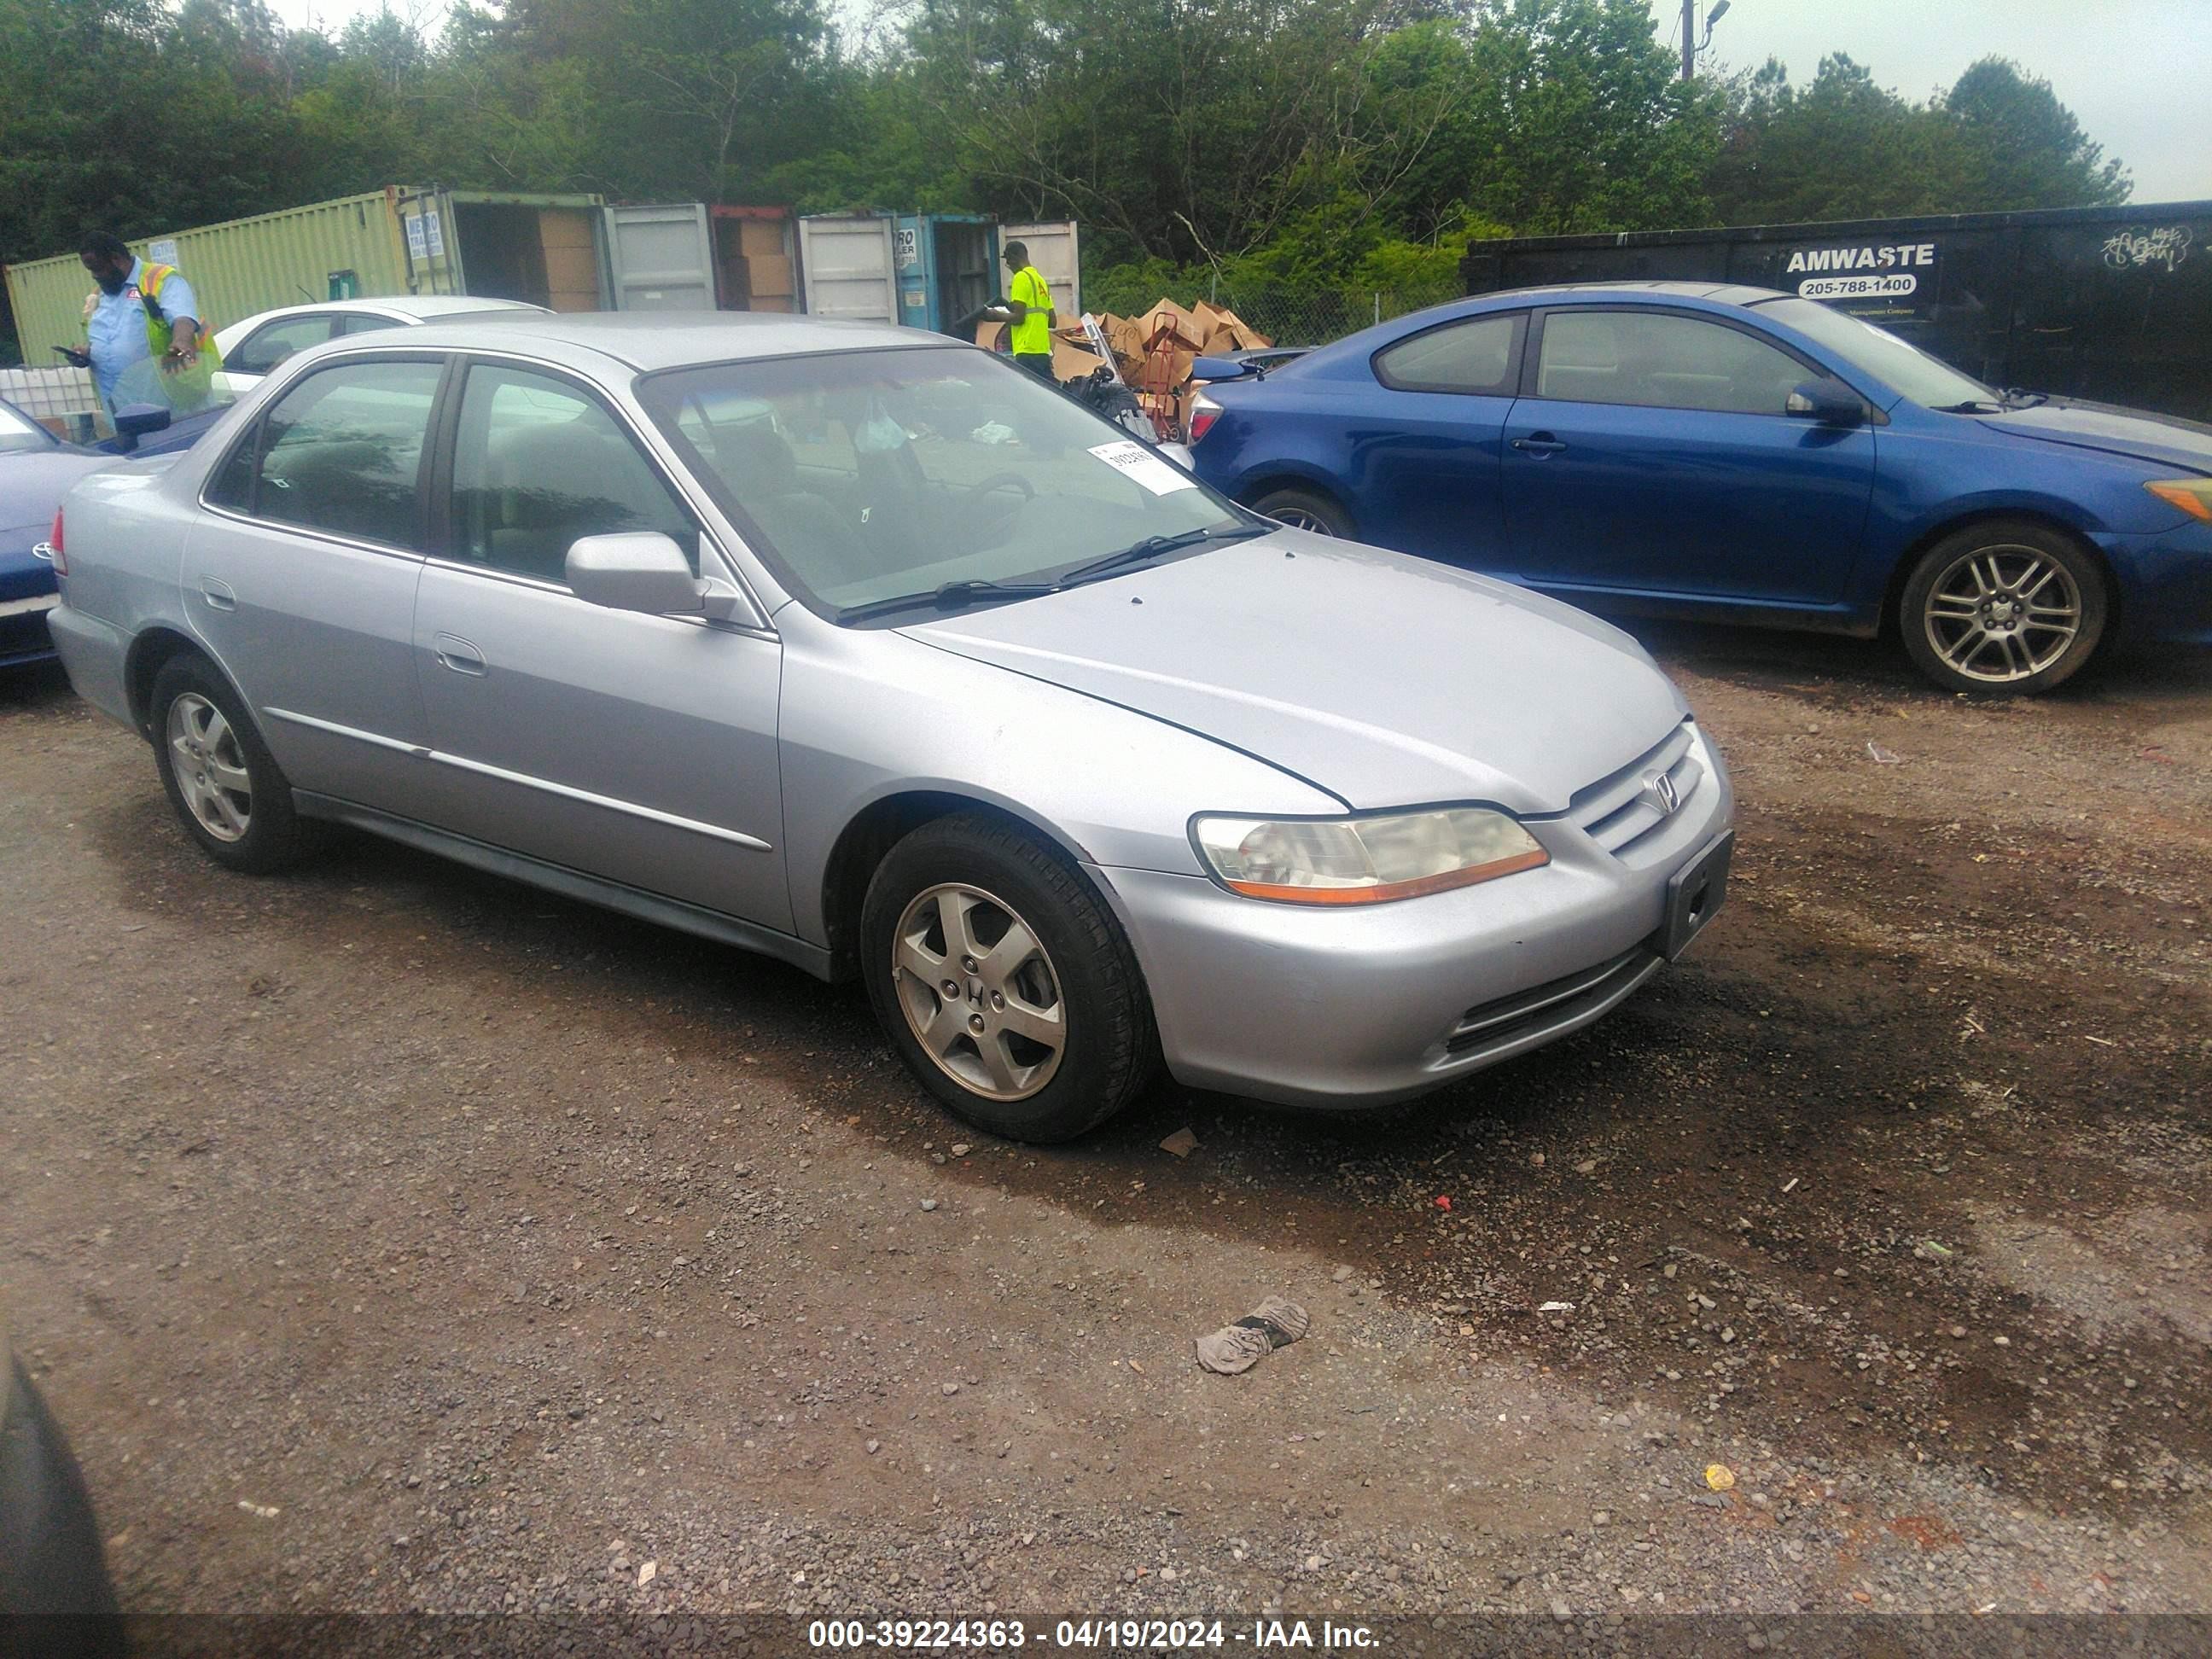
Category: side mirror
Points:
column 1827, row 402
column 637, row 570
column 136, row 421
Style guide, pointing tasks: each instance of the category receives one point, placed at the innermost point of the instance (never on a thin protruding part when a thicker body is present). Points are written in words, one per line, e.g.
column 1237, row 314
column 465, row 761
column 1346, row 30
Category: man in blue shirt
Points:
column 141, row 311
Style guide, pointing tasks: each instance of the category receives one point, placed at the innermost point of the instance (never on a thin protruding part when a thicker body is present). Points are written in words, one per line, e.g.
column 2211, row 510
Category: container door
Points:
column 914, row 256
column 1055, row 250
column 432, row 242
column 663, row 258
column 847, row 259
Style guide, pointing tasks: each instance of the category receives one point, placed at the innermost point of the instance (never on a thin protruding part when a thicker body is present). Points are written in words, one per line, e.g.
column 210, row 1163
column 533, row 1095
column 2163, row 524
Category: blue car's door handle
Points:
column 1539, row 444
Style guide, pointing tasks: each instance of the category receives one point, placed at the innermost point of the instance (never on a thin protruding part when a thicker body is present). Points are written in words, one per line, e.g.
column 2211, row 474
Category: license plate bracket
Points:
column 1694, row 894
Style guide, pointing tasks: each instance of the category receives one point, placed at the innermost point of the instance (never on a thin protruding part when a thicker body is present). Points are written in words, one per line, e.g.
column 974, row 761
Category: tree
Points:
column 2028, row 150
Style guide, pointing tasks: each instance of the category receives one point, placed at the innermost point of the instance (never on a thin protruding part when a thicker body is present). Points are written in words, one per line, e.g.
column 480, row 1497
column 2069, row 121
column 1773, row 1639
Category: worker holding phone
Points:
column 142, row 310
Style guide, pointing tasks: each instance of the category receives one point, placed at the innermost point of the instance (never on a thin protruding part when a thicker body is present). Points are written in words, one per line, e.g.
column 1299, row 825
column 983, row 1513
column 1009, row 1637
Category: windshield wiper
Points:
column 1971, row 406
column 945, row 596
column 2019, row 397
column 1152, row 546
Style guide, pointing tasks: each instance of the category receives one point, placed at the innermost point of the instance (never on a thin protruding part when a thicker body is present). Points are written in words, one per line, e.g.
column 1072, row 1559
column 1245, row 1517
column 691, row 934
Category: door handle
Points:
column 217, row 594
column 1539, row 444
column 457, row 653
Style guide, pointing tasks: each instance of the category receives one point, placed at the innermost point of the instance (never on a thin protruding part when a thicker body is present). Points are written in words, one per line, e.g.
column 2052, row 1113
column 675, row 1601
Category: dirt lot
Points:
column 392, row 1237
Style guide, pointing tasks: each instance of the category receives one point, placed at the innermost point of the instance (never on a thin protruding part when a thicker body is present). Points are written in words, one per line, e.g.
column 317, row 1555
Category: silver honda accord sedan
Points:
column 866, row 650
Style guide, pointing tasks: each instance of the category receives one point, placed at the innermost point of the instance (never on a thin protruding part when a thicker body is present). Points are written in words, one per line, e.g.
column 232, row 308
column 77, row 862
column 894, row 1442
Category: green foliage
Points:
column 1236, row 145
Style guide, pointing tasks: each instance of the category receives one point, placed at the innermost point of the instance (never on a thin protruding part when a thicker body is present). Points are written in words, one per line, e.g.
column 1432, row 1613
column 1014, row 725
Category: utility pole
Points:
column 1689, row 40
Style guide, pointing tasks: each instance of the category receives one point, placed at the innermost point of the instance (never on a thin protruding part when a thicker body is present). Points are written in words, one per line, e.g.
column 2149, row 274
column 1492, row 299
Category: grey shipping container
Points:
column 2109, row 304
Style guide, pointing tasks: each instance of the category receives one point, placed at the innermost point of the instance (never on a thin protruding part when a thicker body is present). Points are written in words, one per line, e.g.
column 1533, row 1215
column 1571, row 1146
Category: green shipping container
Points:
column 550, row 250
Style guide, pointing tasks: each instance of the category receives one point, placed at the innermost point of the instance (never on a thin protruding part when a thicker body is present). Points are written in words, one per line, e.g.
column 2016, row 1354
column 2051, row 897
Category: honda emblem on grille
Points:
column 1658, row 793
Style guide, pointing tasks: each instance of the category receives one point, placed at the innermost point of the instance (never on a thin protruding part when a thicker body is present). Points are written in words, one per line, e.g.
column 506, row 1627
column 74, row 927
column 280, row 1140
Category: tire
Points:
column 200, row 723
column 1962, row 618
column 1308, row 510
column 1080, row 985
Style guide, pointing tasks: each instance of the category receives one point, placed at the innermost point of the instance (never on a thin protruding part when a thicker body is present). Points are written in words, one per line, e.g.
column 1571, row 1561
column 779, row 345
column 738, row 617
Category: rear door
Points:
column 663, row 258
column 1650, row 452
column 1426, row 474
column 637, row 748
column 300, row 577
column 847, row 259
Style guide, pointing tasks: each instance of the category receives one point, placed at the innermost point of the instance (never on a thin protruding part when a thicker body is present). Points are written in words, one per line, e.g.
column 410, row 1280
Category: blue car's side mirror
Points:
column 1829, row 402
column 136, row 421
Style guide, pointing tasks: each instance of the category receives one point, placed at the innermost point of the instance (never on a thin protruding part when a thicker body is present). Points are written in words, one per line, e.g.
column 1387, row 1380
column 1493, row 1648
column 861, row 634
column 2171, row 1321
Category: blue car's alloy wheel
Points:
column 2009, row 607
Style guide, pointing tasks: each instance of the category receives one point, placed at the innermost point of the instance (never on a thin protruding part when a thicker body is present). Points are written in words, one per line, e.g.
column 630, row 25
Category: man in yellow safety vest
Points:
column 1028, row 303
column 142, row 310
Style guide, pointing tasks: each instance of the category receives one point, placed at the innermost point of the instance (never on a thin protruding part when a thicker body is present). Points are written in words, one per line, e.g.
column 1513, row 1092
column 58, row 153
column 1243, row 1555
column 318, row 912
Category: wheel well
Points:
column 149, row 654
column 861, row 846
column 1252, row 492
column 1910, row 559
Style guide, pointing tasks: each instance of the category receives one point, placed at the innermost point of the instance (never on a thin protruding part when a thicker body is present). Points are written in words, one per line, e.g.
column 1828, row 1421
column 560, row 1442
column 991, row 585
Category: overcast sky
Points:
column 2134, row 72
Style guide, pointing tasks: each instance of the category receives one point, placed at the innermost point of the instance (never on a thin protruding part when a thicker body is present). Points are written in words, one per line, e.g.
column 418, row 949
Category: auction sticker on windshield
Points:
column 1146, row 468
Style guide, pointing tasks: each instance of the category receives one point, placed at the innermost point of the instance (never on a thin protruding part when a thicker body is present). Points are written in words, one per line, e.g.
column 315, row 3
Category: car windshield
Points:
column 867, row 477
column 1926, row 380
column 18, row 431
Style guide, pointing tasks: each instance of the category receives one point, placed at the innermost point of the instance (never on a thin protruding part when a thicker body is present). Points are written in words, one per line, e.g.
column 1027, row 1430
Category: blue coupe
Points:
column 1734, row 453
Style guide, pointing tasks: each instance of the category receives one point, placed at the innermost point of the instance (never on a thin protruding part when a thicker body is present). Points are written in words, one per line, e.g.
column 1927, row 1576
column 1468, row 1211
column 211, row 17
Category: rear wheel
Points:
column 2007, row 608
column 219, row 775
column 1003, row 981
column 1305, row 509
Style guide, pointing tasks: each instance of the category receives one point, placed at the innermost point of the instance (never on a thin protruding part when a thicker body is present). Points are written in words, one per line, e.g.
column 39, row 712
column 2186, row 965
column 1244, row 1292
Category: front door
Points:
column 1654, row 456
column 640, row 748
column 301, row 579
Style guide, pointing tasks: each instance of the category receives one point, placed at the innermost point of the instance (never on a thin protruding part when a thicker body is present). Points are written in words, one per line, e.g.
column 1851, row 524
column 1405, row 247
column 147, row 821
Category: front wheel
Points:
column 1305, row 509
column 2007, row 608
column 1003, row 981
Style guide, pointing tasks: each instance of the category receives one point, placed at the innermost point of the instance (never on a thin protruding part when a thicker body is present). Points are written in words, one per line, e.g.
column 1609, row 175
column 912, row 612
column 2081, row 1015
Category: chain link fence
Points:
column 1312, row 317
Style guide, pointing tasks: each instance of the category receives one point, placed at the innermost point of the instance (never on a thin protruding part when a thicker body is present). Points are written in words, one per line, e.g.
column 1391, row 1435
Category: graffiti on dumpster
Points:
column 2137, row 249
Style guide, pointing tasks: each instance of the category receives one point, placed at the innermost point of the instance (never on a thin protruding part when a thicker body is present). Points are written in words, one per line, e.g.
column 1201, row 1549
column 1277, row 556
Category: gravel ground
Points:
column 390, row 1237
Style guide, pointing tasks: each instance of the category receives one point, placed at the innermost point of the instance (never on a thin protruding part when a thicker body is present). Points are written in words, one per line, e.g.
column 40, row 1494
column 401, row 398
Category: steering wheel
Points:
column 1000, row 481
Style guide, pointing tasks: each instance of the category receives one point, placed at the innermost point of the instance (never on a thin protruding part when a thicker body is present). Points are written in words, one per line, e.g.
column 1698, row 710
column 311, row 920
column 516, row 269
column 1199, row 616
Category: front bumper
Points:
column 1347, row 1007
column 2164, row 583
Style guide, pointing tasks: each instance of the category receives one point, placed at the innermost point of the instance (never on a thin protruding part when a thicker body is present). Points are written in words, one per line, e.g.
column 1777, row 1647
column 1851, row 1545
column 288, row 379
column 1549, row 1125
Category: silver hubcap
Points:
column 211, row 769
column 2003, row 613
column 979, row 992
column 1299, row 518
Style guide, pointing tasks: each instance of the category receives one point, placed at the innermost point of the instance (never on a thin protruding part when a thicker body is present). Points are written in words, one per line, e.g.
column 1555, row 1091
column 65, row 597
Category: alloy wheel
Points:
column 2003, row 614
column 979, row 992
column 210, row 768
column 1302, row 518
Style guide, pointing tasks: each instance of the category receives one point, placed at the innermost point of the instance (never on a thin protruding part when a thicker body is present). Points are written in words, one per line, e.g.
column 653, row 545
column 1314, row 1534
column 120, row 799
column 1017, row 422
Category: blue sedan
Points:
column 1734, row 453
column 36, row 470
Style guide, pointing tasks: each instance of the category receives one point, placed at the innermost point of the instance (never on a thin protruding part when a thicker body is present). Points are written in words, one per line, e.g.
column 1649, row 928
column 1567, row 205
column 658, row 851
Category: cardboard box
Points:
column 769, row 275
column 762, row 236
column 782, row 302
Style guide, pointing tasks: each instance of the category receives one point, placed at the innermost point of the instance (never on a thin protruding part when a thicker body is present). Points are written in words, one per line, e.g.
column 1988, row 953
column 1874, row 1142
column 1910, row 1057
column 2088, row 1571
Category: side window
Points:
column 341, row 451
column 261, row 351
column 540, row 463
column 365, row 322
column 1655, row 361
column 1478, row 357
column 233, row 485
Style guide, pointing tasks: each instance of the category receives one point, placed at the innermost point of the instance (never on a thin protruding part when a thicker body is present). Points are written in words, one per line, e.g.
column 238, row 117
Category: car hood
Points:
column 2168, row 440
column 1387, row 681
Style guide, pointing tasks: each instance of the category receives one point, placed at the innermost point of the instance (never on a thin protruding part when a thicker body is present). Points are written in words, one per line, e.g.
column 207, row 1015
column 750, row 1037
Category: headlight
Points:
column 2192, row 495
column 1365, row 860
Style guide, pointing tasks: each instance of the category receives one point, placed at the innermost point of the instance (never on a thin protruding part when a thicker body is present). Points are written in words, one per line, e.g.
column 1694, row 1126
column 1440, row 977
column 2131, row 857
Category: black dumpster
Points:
column 2113, row 304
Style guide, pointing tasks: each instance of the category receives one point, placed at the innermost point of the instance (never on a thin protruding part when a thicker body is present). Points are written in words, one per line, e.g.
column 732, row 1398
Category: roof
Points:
column 648, row 340
column 1726, row 294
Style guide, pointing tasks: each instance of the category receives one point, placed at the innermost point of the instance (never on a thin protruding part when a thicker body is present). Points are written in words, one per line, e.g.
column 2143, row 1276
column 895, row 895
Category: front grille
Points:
column 1494, row 1023
column 1619, row 813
